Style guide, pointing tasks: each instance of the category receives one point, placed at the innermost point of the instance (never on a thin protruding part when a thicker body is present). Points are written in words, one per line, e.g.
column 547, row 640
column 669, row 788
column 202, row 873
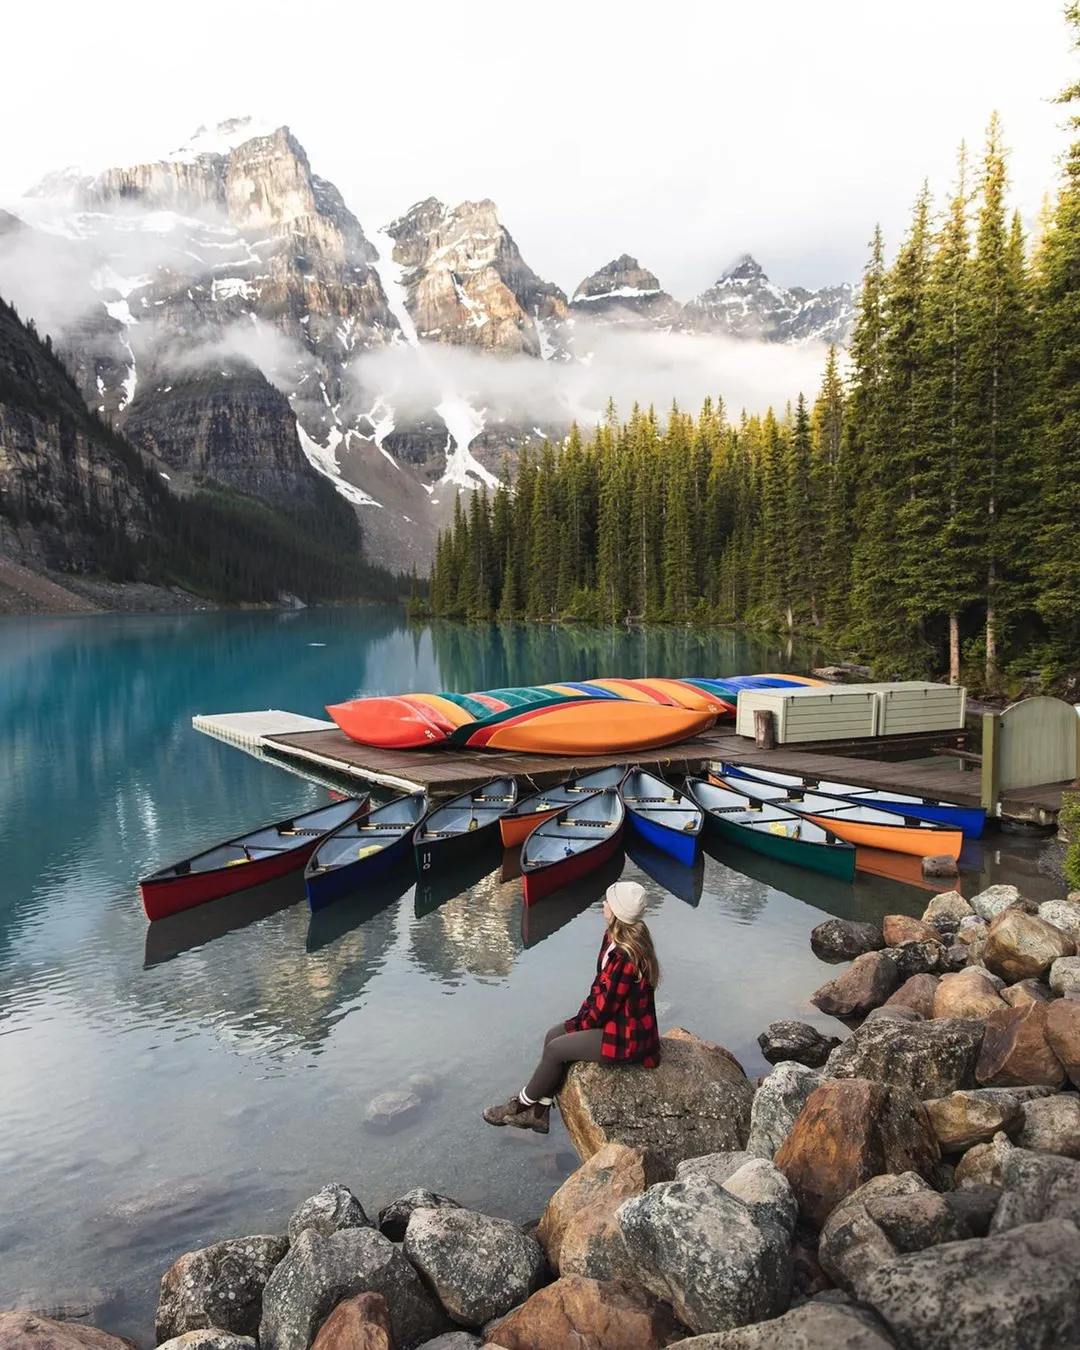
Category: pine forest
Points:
column 920, row 511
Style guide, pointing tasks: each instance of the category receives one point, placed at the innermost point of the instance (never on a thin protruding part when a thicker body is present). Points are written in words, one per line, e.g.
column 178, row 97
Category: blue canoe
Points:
column 363, row 849
column 661, row 816
column 969, row 819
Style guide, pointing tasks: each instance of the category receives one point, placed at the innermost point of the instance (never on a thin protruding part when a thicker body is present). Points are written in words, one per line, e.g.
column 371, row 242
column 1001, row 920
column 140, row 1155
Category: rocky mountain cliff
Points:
column 225, row 309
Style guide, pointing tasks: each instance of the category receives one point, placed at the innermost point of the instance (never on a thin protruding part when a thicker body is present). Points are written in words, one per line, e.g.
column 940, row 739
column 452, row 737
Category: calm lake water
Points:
column 165, row 1088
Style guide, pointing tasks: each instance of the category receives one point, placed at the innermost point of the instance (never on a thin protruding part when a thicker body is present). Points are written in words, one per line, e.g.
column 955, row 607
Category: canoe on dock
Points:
column 519, row 822
column 567, row 846
column 250, row 859
column 452, row 832
column 864, row 826
column 968, row 819
column 770, row 829
column 363, row 849
column 661, row 815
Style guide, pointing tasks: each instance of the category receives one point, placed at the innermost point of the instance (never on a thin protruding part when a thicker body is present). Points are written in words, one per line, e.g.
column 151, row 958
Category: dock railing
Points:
column 1033, row 742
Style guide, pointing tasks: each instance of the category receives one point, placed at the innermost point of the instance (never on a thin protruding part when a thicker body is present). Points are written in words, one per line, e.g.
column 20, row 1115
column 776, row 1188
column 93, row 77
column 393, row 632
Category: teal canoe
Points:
column 770, row 830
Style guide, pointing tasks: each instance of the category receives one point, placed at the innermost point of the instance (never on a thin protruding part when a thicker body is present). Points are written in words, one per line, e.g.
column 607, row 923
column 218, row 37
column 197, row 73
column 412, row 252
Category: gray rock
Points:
column 479, row 1267
column 947, row 911
column 776, row 1104
column 994, row 899
column 984, row 1164
column 797, row 1042
column 974, row 1207
column 1051, row 1124
column 894, row 1012
column 321, row 1271
column 930, row 1059
column 1036, row 1187
column 1015, row 1291
column 1065, row 975
column 454, row 1340
column 921, row 957
column 703, row 1250
column 995, row 980
column 884, row 1217
column 391, row 1111
column 821, row 1325
column 715, row 1167
column 394, row 1219
column 332, row 1208
column 766, row 1192
column 219, row 1286
column 1062, row 915
column 845, row 939
column 211, row 1338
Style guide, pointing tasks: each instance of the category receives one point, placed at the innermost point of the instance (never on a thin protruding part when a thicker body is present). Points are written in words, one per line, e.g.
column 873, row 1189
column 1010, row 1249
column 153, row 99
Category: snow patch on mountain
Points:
column 324, row 459
column 221, row 139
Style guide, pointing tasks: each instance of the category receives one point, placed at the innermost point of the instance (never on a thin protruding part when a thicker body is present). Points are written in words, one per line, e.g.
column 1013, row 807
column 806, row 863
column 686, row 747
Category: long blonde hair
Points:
column 635, row 941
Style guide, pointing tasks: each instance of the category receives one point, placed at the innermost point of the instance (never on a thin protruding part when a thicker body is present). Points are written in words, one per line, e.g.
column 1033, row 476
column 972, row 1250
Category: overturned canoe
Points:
column 250, row 859
column 661, row 816
column 587, row 727
column 519, row 822
column 363, row 849
column 736, row 817
column 460, row 827
column 573, row 843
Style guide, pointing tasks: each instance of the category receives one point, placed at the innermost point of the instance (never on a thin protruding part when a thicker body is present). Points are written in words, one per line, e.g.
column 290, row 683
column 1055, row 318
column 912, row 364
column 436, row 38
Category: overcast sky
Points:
column 684, row 132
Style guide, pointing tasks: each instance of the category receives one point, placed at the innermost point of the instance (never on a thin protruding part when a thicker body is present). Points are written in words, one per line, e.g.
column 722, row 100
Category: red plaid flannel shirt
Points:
column 621, row 1005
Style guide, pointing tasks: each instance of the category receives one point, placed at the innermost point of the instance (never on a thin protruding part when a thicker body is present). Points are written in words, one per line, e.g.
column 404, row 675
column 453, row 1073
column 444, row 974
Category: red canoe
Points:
column 249, row 860
column 567, row 846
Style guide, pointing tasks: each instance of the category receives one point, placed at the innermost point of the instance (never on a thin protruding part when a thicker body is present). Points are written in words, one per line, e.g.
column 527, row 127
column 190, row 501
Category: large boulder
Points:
column 849, row 1131
column 1016, row 1291
column 1063, row 1035
column 218, row 1286
column 813, row 1326
column 884, row 1217
column 1051, row 1125
column 479, row 1267
column 1026, row 991
column 1015, row 1050
column 319, row 1272
column 327, row 1211
column 588, row 1315
column 866, row 984
column 897, row 928
column 845, row 939
column 697, row 1101
column 394, row 1219
column 360, row 1323
column 777, row 1103
column 578, row 1229
column 947, row 910
column 1022, row 947
column 720, row 1261
column 990, row 903
column 1064, row 976
column 968, row 994
column 20, row 1330
column 798, row 1042
column 1062, row 915
column 712, row 1167
column 1036, row 1187
column 916, row 993
column 970, row 1117
column 209, row 1338
column 930, row 1059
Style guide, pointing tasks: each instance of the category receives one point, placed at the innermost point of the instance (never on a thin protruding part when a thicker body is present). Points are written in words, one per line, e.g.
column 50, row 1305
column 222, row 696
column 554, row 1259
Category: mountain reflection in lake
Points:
column 168, row 1086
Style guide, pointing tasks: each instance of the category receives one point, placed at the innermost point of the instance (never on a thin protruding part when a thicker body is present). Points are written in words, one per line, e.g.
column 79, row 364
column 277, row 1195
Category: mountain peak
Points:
column 225, row 137
column 623, row 278
column 745, row 268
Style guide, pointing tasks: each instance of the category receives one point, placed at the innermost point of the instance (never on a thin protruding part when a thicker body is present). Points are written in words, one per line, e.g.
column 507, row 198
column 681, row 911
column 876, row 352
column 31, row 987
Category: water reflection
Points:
column 667, row 872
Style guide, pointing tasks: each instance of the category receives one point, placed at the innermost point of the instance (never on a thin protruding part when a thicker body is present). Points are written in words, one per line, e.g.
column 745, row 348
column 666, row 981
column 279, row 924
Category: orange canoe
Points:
column 518, row 823
column 392, row 723
column 589, row 728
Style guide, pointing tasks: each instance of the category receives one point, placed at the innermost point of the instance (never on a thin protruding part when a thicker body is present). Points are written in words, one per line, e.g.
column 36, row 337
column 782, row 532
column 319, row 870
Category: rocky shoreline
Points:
column 914, row 1185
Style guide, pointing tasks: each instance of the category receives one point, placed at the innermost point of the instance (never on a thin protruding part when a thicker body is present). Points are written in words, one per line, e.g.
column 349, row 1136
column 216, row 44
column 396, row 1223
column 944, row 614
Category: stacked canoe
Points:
column 602, row 716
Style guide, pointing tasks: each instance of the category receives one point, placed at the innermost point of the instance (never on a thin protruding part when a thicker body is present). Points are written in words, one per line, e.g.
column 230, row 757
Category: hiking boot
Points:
column 521, row 1117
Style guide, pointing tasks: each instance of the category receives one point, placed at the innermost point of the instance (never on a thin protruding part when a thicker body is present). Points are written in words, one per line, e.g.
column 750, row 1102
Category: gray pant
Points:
column 562, row 1047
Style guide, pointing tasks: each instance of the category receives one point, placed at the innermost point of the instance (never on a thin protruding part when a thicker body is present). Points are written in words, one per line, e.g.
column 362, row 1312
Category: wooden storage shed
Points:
column 811, row 714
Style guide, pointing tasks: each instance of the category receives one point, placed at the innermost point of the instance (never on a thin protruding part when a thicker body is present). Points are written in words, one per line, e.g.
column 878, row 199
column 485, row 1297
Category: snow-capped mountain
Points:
column 225, row 308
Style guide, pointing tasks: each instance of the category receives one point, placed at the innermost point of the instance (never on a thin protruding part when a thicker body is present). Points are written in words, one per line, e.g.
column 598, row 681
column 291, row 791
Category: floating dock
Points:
column 321, row 751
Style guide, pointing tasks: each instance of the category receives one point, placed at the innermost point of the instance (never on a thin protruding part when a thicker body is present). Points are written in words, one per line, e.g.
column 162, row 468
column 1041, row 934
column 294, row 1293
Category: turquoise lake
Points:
column 164, row 1089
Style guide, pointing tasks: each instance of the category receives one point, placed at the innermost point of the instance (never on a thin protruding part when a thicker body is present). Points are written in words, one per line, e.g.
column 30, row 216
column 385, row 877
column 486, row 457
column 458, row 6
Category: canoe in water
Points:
column 462, row 826
column 250, row 859
column 567, row 846
column 518, row 823
column 363, row 849
column 770, row 829
column 660, row 815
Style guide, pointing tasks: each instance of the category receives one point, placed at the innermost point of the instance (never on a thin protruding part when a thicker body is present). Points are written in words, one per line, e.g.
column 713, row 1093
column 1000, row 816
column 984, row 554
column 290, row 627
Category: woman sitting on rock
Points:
column 615, row 1025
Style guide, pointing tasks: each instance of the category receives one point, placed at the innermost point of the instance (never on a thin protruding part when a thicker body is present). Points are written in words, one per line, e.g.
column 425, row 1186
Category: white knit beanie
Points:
column 627, row 900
